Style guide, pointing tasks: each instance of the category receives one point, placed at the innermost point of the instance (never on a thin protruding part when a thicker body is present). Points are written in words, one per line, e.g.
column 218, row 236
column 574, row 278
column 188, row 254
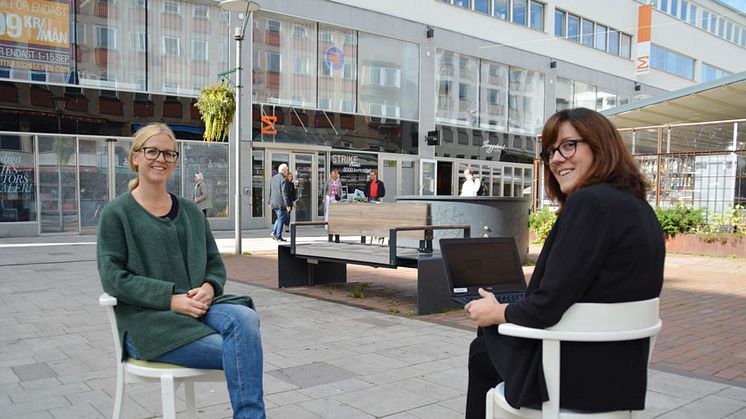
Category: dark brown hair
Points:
column 612, row 163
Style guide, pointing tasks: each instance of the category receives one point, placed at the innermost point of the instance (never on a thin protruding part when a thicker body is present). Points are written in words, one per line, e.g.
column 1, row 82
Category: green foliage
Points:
column 680, row 219
column 541, row 223
column 732, row 220
column 217, row 106
column 359, row 290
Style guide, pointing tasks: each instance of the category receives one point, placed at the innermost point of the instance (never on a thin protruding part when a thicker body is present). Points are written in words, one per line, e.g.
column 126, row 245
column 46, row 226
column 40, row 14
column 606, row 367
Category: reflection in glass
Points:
column 57, row 185
column 93, row 170
column 388, row 83
column 493, row 109
column 457, row 81
column 337, row 61
column 17, row 178
column 526, row 101
column 563, row 93
column 584, row 95
column 285, row 61
column 257, row 180
column 212, row 161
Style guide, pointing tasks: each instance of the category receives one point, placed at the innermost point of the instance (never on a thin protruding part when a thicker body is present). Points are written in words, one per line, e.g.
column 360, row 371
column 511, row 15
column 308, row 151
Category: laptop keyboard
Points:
column 511, row 298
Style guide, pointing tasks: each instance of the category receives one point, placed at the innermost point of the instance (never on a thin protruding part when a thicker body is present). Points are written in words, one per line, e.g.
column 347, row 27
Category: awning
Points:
column 716, row 100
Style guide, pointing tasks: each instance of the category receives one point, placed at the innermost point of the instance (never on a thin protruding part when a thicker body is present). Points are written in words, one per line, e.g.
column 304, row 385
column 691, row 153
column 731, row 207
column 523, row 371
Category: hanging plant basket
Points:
column 217, row 106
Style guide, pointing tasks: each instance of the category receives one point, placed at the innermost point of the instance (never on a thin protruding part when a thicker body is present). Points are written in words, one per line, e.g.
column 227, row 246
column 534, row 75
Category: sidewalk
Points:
column 322, row 359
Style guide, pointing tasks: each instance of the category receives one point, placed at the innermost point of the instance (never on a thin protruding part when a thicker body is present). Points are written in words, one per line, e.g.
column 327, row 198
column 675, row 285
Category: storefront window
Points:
column 354, row 168
column 388, row 81
column 285, row 61
column 526, row 101
column 93, row 171
column 58, row 184
column 493, row 109
column 211, row 160
column 457, row 83
column 17, row 179
column 337, row 61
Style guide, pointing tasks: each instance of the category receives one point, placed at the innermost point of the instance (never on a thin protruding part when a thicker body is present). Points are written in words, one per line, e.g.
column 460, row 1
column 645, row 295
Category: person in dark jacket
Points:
column 293, row 195
column 279, row 200
column 605, row 247
column 374, row 189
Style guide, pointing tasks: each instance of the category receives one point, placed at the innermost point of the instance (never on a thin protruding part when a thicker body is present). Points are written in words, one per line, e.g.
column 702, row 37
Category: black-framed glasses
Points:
column 566, row 149
column 152, row 153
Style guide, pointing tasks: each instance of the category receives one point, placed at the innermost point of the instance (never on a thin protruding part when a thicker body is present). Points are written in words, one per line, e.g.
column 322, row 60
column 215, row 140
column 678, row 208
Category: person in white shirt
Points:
column 471, row 184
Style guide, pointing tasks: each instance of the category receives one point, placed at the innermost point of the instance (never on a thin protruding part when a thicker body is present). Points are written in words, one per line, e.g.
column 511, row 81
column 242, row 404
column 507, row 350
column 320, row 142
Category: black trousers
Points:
column 482, row 377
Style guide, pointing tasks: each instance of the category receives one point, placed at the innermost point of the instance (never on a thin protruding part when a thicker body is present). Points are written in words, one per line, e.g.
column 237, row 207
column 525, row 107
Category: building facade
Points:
column 418, row 90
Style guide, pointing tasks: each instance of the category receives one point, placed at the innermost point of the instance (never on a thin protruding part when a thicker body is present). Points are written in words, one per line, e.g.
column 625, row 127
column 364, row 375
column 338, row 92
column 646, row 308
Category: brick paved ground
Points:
column 703, row 307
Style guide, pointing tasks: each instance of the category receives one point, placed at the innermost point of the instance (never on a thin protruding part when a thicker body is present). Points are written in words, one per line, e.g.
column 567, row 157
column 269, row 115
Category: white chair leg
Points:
column 119, row 393
column 191, row 404
column 168, row 396
column 490, row 399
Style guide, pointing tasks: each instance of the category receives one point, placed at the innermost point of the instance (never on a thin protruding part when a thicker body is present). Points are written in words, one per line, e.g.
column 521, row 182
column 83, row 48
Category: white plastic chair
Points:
column 170, row 376
column 582, row 322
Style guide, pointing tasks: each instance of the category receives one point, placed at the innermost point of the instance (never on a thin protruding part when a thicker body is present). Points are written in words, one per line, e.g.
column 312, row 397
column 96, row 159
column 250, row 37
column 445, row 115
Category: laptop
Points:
column 489, row 263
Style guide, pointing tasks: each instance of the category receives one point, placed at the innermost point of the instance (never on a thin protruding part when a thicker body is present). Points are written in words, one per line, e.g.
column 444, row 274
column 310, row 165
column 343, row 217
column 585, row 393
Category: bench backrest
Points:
column 364, row 219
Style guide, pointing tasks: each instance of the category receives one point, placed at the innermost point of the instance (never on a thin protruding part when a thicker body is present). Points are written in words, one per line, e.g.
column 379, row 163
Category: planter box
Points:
column 726, row 245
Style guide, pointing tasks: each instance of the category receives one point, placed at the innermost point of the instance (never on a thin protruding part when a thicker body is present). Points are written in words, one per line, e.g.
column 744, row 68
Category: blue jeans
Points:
column 282, row 214
column 236, row 349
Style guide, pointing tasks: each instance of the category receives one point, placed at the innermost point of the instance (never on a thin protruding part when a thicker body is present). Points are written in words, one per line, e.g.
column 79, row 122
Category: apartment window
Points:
column 573, row 28
column 626, row 47
column 721, row 27
column 383, row 76
column 273, row 61
column 199, row 50
column 671, row 62
column 613, row 42
column 710, row 72
column 713, row 24
column 349, row 72
column 171, row 46
column 170, row 86
column 301, row 65
column 501, row 9
column 325, row 36
column 537, row 16
column 729, row 31
column 462, row 3
column 273, row 26
column 519, row 12
column 171, row 7
column 106, row 37
column 559, row 23
column 200, row 12
column 601, row 37
column 300, row 31
column 693, row 14
column 350, row 39
column 325, row 103
column 325, row 70
column 347, row 106
column 138, row 41
column 684, row 10
column 587, row 34
column 482, row 6
column 674, row 7
column 664, row 5
column 705, row 22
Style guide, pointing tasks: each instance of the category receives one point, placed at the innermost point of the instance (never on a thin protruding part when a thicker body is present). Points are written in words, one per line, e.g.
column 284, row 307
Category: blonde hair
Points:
column 141, row 136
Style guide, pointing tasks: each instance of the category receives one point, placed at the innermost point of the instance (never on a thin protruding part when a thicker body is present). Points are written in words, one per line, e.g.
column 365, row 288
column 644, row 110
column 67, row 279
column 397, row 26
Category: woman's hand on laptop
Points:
column 486, row 311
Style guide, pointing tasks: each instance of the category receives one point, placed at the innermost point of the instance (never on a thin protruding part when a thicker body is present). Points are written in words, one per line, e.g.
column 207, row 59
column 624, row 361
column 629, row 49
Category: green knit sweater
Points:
column 143, row 260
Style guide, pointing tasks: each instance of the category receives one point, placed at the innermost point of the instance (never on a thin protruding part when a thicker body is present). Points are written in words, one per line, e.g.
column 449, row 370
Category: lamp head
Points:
column 240, row 6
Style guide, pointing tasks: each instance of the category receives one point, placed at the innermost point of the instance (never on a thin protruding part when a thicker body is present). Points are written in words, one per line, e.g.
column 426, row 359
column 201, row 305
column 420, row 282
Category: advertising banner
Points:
column 36, row 35
column 644, row 20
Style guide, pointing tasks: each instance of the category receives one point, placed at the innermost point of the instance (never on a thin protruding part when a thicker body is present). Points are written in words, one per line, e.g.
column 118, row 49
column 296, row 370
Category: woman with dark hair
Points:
column 605, row 247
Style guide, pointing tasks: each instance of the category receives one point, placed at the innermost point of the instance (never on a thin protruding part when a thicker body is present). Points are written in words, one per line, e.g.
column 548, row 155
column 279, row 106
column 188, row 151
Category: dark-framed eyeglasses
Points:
column 566, row 149
column 152, row 153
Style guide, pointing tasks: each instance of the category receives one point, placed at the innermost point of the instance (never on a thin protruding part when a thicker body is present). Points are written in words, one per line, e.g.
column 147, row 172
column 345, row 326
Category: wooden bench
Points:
column 409, row 231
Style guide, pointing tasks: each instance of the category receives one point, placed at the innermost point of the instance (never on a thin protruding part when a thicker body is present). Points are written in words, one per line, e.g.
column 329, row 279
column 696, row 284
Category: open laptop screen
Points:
column 491, row 263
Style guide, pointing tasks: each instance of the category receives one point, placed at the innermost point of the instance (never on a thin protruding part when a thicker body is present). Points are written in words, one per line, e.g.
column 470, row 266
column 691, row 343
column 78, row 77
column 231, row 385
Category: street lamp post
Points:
column 248, row 8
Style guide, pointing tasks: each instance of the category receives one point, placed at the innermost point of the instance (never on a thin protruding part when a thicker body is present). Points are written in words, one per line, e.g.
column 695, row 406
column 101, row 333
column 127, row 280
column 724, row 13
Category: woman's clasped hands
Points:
column 195, row 302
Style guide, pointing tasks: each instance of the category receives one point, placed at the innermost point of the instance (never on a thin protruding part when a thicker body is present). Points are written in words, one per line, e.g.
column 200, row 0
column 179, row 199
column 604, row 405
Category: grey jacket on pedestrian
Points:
column 201, row 197
column 278, row 192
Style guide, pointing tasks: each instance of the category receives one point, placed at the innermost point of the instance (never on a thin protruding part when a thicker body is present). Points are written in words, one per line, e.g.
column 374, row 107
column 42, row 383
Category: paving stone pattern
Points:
column 322, row 359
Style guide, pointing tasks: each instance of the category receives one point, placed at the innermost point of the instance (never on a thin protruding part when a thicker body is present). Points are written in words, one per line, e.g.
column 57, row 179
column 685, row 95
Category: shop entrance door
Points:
column 304, row 167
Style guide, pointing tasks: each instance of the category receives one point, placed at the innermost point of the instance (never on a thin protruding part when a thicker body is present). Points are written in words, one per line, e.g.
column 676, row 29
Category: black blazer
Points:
column 381, row 190
column 605, row 247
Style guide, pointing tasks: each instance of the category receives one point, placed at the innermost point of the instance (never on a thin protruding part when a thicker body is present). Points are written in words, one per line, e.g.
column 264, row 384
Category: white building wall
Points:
column 668, row 32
